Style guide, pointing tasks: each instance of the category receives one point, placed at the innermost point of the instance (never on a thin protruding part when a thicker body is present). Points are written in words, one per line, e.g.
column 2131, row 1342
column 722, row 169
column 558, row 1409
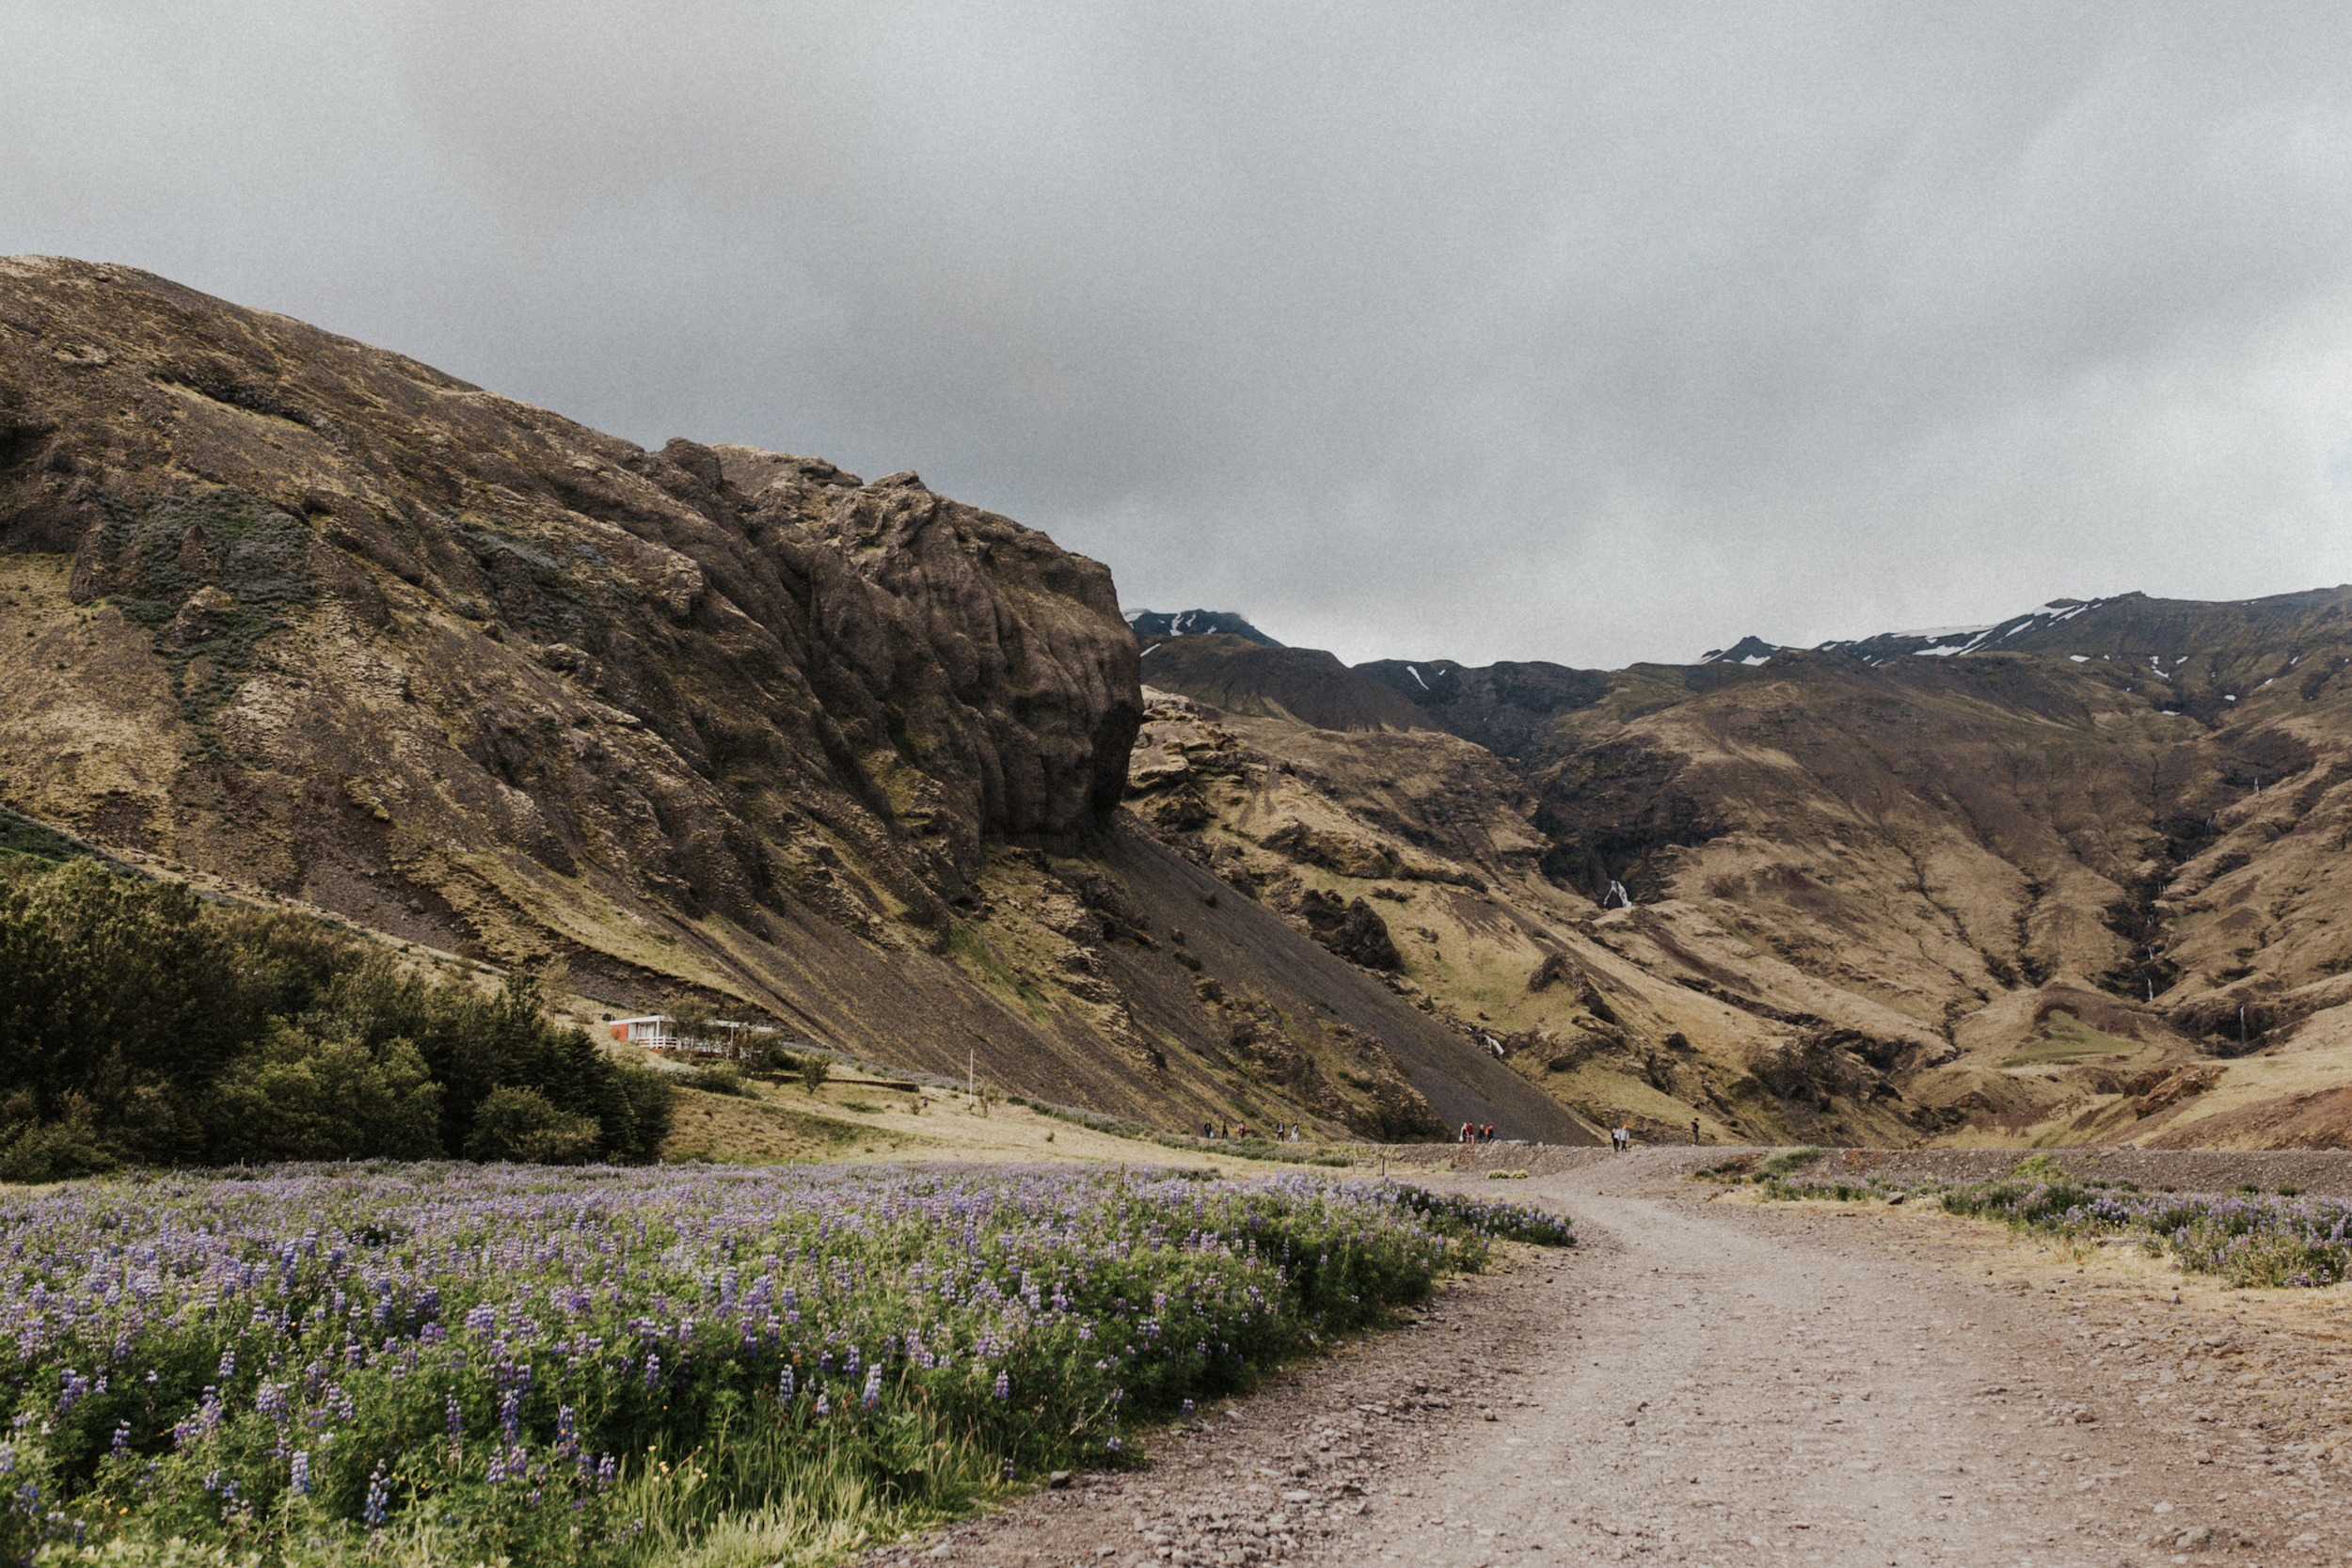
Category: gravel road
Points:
column 1707, row 1379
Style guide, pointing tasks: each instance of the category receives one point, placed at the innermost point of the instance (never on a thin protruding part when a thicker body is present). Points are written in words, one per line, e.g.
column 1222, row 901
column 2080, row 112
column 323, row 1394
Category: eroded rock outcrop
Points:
column 309, row 619
column 717, row 680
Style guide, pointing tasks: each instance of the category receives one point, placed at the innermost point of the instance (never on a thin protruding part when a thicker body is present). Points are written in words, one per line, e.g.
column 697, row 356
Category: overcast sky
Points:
column 1580, row 332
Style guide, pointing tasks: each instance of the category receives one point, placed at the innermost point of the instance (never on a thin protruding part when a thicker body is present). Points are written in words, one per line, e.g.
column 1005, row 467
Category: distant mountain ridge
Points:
column 1148, row 624
column 2127, row 624
column 2043, row 878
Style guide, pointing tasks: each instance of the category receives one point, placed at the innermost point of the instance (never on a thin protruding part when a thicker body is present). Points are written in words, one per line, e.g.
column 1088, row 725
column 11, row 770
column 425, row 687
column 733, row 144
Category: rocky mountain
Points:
column 1304, row 684
column 310, row 622
column 1152, row 624
column 315, row 624
column 2071, row 877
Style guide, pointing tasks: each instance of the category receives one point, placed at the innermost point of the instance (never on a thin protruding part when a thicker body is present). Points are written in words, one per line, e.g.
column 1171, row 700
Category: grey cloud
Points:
column 1588, row 333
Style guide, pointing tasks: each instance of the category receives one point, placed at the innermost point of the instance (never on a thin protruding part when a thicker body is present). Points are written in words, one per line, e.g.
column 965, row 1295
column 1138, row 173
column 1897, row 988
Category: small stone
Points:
column 1058, row 1479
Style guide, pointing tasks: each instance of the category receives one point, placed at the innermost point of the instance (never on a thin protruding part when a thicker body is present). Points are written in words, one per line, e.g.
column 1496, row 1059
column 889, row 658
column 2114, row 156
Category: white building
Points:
column 658, row 1031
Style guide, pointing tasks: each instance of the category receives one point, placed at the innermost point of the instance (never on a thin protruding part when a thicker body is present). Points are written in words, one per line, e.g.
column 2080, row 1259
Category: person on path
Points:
column 1465, row 1132
column 1694, row 1131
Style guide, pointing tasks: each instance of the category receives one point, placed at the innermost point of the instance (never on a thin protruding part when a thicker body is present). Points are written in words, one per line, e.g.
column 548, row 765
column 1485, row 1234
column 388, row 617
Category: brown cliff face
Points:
column 319, row 623
column 714, row 662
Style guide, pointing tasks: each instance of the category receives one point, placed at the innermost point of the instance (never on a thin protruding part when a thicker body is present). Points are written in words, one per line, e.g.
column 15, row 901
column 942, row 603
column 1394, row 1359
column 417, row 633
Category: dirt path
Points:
column 1706, row 1380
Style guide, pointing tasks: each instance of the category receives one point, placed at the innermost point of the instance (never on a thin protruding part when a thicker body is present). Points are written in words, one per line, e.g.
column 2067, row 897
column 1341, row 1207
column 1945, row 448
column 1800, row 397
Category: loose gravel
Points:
column 1708, row 1379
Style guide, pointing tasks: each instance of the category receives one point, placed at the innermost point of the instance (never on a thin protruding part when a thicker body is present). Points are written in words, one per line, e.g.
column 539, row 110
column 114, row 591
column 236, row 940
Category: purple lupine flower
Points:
column 301, row 1477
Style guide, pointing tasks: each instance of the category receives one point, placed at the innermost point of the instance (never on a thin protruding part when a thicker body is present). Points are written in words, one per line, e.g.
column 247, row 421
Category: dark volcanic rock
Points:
column 1353, row 931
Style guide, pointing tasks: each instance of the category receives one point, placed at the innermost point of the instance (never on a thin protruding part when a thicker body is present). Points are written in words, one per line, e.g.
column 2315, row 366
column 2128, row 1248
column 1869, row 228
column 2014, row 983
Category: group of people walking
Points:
column 1473, row 1134
column 1284, row 1131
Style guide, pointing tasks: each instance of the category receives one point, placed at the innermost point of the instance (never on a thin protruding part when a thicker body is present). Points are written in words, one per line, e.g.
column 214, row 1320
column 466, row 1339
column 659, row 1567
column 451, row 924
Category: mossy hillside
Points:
column 249, row 553
column 2067, row 1038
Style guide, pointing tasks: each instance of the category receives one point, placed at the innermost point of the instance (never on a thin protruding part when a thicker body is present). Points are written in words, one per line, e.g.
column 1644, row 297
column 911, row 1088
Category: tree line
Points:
column 140, row 1025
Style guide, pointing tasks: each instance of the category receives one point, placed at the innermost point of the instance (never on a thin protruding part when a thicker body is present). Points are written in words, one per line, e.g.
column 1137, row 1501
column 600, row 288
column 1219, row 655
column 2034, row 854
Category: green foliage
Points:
column 22, row 836
column 1478, row 1219
column 518, row 1123
column 296, row 1096
column 1827, row 1192
column 139, row 1026
column 694, row 1018
column 815, row 1069
column 2243, row 1236
column 2067, row 1038
column 725, row 1078
column 209, row 576
column 1785, row 1161
column 626, row 1369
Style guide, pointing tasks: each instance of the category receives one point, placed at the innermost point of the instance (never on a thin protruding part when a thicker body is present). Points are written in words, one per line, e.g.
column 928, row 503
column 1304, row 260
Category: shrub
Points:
column 140, row 1027
column 725, row 1078
column 300, row 1097
column 1783, row 1162
column 522, row 1124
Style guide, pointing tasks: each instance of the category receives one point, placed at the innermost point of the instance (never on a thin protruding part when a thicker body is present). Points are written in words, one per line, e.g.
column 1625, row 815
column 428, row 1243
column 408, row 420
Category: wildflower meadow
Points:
column 451, row 1363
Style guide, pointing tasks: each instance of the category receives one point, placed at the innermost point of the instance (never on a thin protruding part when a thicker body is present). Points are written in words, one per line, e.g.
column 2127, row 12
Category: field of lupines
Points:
column 451, row 1363
column 2247, row 1237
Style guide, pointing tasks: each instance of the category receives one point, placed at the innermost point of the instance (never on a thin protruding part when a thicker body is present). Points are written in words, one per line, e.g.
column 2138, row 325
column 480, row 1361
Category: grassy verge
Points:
column 1749, row 1167
column 708, row 1365
column 2246, row 1237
